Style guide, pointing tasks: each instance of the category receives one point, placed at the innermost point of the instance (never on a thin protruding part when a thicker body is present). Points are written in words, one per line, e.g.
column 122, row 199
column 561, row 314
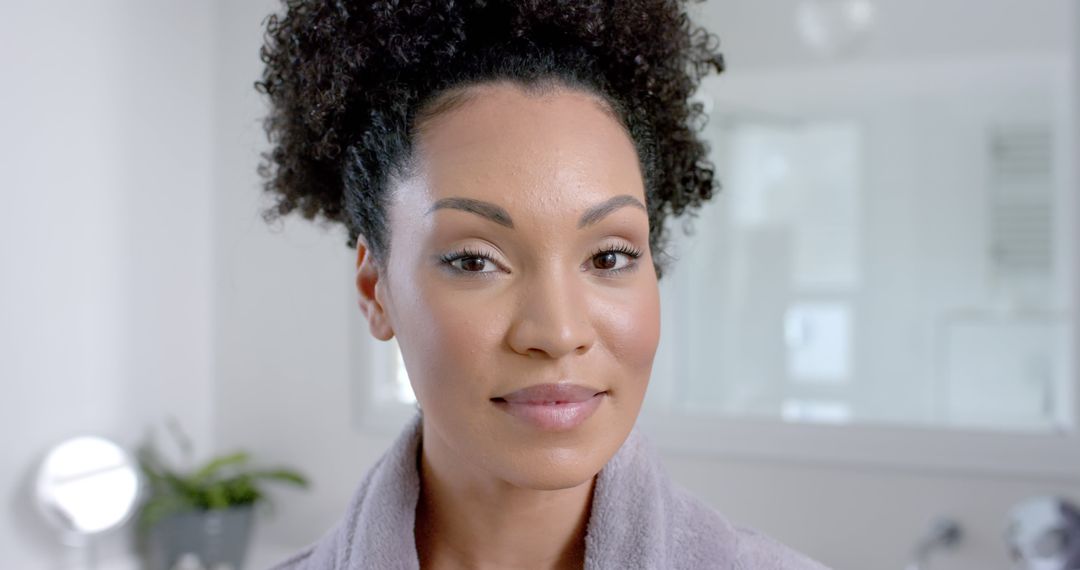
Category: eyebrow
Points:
column 597, row 212
column 493, row 212
column 500, row 216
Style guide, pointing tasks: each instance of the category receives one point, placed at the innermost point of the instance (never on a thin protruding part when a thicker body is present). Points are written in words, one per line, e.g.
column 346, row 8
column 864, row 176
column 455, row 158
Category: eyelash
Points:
column 466, row 253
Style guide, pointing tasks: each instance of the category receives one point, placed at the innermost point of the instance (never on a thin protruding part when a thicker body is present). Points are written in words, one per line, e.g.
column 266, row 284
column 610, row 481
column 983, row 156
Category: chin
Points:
column 549, row 469
column 553, row 477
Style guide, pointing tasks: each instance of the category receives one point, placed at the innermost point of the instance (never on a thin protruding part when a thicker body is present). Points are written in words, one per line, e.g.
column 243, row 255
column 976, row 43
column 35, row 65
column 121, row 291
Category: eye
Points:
column 615, row 259
column 474, row 264
column 471, row 261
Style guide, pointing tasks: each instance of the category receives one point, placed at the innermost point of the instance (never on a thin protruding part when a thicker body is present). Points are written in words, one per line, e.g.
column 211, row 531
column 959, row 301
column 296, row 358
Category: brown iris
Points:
column 473, row 263
column 605, row 260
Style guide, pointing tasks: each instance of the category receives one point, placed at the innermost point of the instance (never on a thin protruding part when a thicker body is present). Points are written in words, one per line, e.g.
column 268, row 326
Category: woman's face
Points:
column 509, row 269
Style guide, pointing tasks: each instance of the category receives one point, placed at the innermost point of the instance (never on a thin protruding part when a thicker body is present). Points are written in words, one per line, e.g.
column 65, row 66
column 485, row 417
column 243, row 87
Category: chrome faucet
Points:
column 944, row 533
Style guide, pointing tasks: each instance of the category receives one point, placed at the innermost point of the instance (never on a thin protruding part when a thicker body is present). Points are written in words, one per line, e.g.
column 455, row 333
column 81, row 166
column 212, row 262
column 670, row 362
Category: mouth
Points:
column 552, row 407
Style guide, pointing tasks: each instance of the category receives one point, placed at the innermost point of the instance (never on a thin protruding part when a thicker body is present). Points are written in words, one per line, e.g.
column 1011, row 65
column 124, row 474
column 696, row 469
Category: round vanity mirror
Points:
column 86, row 486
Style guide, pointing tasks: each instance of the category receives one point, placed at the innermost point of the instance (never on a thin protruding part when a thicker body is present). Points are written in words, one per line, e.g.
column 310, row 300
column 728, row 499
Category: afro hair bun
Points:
column 348, row 80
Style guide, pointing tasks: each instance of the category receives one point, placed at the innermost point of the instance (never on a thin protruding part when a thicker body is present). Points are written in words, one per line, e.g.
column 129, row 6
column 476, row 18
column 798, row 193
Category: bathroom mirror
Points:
column 895, row 239
column 86, row 486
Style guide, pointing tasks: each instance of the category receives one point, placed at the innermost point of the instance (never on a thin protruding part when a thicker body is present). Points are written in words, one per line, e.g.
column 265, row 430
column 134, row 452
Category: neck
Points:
column 466, row 518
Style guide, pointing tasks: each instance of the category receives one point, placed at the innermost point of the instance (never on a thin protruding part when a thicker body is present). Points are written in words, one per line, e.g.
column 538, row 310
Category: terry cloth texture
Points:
column 639, row 519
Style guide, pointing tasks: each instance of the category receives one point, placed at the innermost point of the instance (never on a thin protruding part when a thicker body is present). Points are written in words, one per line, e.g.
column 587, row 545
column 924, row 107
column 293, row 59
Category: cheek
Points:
column 630, row 328
column 449, row 342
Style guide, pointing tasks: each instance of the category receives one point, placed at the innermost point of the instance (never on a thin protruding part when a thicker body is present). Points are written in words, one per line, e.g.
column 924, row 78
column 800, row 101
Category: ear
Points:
column 371, row 288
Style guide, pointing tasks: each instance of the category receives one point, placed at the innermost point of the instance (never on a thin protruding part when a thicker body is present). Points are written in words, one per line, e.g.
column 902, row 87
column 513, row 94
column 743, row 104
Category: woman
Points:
column 504, row 170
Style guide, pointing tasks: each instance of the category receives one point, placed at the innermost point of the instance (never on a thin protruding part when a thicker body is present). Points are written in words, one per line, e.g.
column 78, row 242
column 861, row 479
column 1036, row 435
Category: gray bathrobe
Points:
column 639, row 519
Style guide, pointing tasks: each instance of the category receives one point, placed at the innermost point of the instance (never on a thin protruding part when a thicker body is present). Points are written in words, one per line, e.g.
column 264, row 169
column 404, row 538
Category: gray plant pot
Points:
column 218, row 537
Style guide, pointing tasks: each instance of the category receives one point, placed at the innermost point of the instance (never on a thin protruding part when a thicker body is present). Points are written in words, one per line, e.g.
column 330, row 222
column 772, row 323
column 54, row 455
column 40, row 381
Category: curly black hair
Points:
column 349, row 82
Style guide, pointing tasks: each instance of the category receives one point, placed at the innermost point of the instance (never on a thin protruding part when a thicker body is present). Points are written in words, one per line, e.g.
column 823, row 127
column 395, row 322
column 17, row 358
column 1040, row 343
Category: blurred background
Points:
column 869, row 340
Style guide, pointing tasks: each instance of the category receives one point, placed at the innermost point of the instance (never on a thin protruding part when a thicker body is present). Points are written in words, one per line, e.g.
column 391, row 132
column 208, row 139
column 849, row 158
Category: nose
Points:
column 552, row 319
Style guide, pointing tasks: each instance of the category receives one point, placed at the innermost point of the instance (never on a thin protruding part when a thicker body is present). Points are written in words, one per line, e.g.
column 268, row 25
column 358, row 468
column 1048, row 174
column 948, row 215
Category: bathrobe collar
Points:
column 639, row 519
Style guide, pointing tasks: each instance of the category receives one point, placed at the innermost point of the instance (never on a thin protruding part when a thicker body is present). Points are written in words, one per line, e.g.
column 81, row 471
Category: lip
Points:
column 552, row 407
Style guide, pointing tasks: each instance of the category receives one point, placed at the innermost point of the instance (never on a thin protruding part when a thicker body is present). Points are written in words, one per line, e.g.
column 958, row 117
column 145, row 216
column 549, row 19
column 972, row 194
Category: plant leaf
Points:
column 282, row 475
column 214, row 465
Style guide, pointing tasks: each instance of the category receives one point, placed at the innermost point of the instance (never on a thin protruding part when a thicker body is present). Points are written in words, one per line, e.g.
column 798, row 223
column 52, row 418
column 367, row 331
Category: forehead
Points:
column 542, row 153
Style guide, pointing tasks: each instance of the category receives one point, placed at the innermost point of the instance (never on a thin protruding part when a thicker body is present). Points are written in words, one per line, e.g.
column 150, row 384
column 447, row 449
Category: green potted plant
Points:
column 206, row 511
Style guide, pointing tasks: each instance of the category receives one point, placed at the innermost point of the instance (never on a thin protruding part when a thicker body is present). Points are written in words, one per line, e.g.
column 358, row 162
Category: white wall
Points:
column 105, row 242
column 762, row 35
column 284, row 304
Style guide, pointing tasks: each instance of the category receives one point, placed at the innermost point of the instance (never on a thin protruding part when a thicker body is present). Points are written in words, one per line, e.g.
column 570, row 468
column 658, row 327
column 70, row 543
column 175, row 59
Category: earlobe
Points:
column 369, row 278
